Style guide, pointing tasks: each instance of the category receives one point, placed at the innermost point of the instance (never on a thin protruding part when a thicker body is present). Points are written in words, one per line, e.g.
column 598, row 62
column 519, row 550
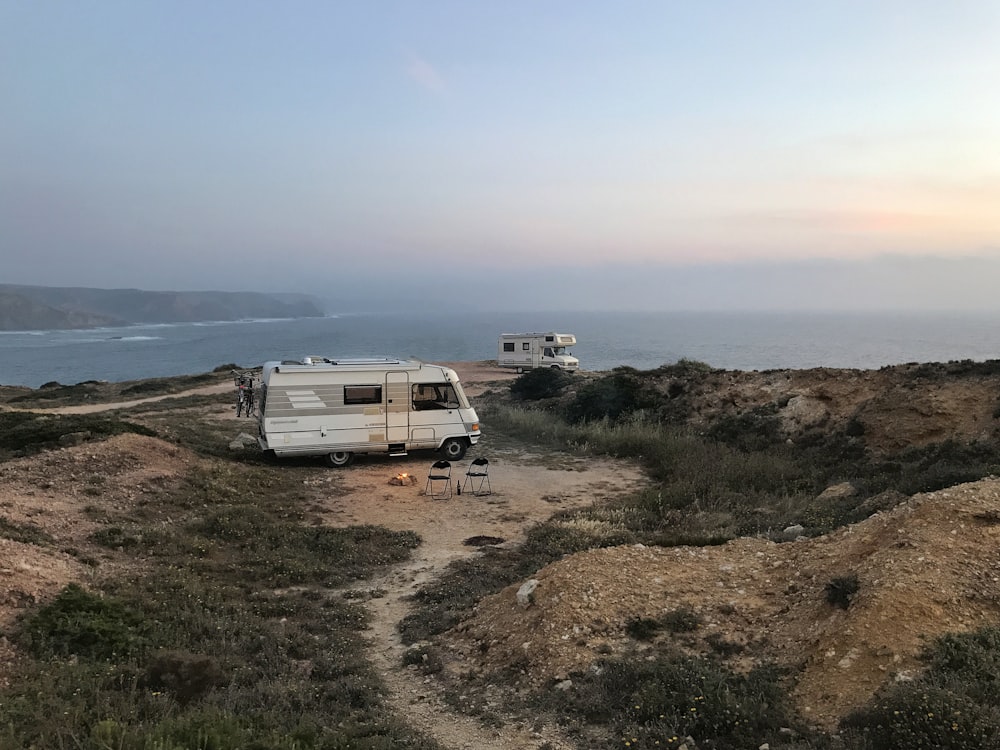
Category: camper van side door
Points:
column 397, row 407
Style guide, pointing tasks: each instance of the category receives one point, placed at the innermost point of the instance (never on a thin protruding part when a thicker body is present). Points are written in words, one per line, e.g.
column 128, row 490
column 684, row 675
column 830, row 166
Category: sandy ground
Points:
column 525, row 492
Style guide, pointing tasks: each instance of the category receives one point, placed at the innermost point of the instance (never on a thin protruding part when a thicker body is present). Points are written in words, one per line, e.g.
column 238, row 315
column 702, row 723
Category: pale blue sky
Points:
column 516, row 153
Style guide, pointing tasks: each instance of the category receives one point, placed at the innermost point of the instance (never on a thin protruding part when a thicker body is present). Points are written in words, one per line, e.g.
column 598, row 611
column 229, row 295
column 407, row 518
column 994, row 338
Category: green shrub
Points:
column 114, row 537
column 26, row 533
column 723, row 646
column 840, row 591
column 185, row 675
column 682, row 620
column 952, row 705
column 945, row 464
column 283, row 552
column 684, row 367
column 969, row 660
column 163, row 386
column 655, row 704
column 539, row 383
column 917, row 715
column 643, row 628
column 78, row 623
column 608, row 397
column 26, row 433
column 754, row 430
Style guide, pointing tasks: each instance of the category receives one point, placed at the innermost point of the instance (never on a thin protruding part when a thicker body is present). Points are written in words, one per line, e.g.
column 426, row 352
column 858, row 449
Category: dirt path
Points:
column 526, row 490
column 94, row 408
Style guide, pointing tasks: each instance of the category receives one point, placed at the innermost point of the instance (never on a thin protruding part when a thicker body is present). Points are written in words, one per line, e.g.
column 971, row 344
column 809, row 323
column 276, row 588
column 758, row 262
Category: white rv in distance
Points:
column 338, row 408
column 525, row 351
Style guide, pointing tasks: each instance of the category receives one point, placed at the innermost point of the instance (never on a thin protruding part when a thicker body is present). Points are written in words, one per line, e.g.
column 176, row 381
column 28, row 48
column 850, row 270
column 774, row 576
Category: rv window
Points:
column 526, row 346
column 362, row 394
column 434, row 396
column 508, row 346
column 550, row 339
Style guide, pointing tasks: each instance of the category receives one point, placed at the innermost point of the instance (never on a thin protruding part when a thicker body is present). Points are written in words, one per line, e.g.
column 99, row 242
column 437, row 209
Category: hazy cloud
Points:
column 425, row 75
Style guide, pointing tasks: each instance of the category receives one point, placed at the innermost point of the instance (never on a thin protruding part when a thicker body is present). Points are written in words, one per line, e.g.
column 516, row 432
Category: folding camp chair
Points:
column 439, row 480
column 477, row 478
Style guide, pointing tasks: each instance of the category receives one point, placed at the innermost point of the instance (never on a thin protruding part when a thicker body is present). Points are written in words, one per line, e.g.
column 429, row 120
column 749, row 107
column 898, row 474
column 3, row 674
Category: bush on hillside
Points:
column 657, row 702
column 952, row 705
column 610, row 397
column 542, row 382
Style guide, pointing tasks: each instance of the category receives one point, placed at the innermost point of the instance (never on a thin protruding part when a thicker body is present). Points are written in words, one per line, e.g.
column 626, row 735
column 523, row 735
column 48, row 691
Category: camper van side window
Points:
column 508, row 346
column 362, row 394
column 526, row 346
column 434, row 396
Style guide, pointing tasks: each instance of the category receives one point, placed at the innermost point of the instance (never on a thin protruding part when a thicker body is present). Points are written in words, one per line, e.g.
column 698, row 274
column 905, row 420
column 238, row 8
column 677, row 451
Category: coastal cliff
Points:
column 32, row 308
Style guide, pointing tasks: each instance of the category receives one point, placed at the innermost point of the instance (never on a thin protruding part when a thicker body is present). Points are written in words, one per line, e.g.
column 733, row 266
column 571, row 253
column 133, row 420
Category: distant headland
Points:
column 40, row 308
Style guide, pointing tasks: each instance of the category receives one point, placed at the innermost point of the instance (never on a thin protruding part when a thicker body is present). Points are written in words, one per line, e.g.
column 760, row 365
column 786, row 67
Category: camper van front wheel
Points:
column 454, row 449
column 339, row 459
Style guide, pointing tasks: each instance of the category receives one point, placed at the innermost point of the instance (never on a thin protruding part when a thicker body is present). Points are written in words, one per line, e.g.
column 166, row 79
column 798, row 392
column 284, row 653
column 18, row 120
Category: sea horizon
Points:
column 729, row 340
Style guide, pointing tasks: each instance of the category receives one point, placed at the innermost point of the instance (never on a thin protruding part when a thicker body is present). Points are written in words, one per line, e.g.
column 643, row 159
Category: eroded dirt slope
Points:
column 929, row 566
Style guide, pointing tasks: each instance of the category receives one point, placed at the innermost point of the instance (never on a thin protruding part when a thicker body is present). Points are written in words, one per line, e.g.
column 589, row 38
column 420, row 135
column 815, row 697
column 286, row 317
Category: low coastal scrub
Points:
column 99, row 391
column 540, row 383
column 226, row 633
column 662, row 701
column 736, row 476
column 25, row 433
column 740, row 468
column 951, row 705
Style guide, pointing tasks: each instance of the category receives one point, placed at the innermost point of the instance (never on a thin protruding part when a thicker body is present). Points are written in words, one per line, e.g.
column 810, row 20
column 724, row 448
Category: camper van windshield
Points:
column 435, row 396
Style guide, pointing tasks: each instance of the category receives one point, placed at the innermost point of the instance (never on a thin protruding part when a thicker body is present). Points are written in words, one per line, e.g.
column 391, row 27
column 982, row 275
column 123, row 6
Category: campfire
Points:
column 402, row 480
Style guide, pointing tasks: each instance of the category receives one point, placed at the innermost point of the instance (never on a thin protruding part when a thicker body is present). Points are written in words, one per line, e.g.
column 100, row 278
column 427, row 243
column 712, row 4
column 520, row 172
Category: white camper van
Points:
column 525, row 351
column 337, row 408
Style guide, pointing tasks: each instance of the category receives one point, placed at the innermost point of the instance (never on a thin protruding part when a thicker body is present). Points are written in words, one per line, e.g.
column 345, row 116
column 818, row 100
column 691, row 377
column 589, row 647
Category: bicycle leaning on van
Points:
column 245, row 401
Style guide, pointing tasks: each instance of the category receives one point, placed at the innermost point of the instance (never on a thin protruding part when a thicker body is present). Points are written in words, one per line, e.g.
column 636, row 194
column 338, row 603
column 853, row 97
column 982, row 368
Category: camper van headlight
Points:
column 472, row 426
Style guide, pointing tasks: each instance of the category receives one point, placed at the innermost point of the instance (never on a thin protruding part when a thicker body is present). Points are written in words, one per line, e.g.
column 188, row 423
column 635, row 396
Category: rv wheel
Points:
column 454, row 449
column 339, row 459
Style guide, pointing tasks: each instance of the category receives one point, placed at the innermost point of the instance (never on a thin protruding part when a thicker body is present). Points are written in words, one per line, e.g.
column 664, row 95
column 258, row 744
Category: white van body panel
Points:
column 525, row 351
column 317, row 406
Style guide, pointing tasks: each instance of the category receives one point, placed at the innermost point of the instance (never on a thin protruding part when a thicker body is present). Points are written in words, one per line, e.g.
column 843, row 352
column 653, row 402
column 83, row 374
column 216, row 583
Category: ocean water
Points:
column 736, row 341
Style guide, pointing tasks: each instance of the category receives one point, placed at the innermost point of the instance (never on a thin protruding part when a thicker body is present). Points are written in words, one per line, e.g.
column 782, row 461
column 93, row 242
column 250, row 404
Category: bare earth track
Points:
column 930, row 565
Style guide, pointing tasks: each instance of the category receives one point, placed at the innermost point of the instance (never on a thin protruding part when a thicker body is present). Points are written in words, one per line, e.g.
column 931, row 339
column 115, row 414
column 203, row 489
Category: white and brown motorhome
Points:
column 338, row 408
column 525, row 351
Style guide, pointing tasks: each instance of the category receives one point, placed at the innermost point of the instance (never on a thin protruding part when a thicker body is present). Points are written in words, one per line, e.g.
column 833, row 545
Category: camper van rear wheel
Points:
column 454, row 449
column 339, row 459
